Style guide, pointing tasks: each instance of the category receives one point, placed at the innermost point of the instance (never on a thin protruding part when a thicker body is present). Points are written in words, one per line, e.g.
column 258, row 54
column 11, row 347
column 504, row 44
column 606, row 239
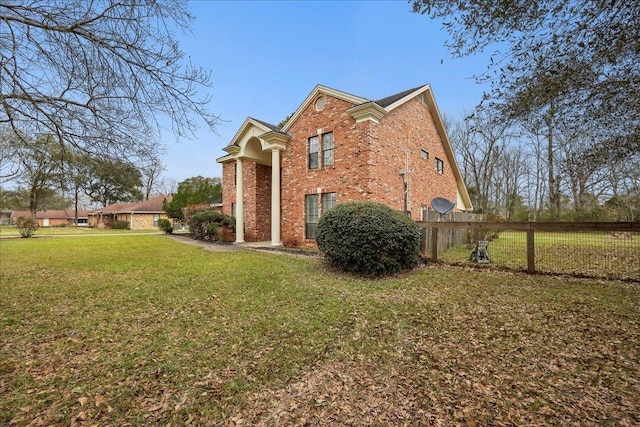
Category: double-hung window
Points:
column 310, row 215
column 314, row 161
column 439, row 166
column 313, row 209
column 328, row 201
column 327, row 149
column 321, row 148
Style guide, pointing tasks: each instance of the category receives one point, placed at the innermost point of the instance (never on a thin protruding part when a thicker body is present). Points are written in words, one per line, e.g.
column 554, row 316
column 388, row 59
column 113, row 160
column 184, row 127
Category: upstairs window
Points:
column 321, row 148
column 424, row 154
column 439, row 166
column 327, row 149
column 313, row 153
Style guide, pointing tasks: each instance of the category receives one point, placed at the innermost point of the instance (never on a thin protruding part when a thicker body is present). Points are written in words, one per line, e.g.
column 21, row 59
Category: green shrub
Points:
column 121, row 225
column 165, row 225
column 27, row 226
column 205, row 222
column 368, row 238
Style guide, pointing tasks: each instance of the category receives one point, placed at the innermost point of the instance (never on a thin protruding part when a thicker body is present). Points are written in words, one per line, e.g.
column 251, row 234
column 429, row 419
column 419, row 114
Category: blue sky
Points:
column 266, row 56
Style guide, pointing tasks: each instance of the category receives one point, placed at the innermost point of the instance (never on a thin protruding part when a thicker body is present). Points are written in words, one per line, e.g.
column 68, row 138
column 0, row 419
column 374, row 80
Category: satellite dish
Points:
column 442, row 206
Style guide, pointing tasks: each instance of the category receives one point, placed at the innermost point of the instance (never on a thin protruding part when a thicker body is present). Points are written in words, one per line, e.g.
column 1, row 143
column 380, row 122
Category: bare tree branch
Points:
column 99, row 75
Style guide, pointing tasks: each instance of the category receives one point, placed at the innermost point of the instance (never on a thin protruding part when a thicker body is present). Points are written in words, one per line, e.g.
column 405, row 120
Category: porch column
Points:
column 239, row 203
column 275, row 197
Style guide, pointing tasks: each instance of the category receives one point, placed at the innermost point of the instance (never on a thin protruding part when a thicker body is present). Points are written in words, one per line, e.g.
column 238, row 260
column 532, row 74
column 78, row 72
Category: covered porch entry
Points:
column 252, row 167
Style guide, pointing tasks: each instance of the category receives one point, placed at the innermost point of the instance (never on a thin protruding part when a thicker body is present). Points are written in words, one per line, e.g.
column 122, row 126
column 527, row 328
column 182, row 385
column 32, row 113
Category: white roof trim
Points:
column 463, row 198
column 252, row 128
column 314, row 93
column 246, row 123
column 408, row 97
column 437, row 118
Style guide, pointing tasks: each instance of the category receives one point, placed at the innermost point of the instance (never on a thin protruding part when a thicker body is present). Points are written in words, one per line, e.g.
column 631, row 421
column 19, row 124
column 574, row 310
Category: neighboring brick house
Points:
column 54, row 217
column 334, row 148
column 139, row 215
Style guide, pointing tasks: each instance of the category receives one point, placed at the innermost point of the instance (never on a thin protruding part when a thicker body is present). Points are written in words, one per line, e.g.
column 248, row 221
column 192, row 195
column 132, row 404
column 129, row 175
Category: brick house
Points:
column 338, row 147
column 142, row 215
column 53, row 217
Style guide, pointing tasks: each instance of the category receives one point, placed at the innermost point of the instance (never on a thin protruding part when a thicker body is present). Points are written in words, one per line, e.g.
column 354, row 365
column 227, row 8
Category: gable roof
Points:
column 268, row 135
column 385, row 102
column 357, row 100
column 269, row 125
column 372, row 110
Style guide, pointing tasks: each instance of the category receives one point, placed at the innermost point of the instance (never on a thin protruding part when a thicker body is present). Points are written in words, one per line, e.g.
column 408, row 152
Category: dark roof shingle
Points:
column 385, row 102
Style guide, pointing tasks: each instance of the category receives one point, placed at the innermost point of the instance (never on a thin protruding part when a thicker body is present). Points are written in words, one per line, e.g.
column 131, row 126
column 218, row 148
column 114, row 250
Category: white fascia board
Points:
column 367, row 111
column 248, row 121
column 225, row 159
column 273, row 139
column 314, row 93
column 437, row 118
column 413, row 94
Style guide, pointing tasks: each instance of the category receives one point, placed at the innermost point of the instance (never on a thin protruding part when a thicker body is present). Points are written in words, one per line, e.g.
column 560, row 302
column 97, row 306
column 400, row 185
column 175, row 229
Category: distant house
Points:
column 337, row 147
column 5, row 217
column 139, row 215
column 54, row 217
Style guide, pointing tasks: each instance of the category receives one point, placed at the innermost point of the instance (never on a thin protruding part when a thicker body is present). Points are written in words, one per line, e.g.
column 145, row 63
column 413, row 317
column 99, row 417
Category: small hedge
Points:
column 120, row 225
column 205, row 223
column 165, row 225
column 26, row 226
column 368, row 238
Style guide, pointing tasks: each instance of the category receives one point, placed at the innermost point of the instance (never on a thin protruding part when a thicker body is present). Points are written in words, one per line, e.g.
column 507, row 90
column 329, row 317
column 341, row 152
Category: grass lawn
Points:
column 596, row 254
column 143, row 330
column 12, row 231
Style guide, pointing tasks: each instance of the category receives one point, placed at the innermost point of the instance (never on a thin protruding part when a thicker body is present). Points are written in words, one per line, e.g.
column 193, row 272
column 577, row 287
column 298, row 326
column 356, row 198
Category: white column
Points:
column 275, row 198
column 239, row 203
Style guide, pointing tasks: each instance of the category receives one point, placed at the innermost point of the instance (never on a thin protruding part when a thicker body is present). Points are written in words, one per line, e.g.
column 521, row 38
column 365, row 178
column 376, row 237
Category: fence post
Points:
column 434, row 244
column 423, row 240
column 531, row 251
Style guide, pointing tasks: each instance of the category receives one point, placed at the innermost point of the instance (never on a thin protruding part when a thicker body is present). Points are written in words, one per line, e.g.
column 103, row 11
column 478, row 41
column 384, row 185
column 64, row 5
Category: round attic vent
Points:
column 321, row 103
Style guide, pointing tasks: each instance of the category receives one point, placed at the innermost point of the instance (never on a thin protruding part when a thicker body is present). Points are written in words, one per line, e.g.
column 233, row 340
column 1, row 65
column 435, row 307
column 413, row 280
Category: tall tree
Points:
column 112, row 181
column 151, row 171
column 9, row 148
column 481, row 141
column 97, row 74
column 19, row 199
column 193, row 191
column 576, row 62
column 39, row 167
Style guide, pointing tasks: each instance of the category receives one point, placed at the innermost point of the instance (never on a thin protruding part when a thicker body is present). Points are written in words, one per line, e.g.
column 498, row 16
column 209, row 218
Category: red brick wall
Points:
column 411, row 127
column 257, row 198
column 367, row 160
column 228, row 186
column 349, row 176
column 258, row 202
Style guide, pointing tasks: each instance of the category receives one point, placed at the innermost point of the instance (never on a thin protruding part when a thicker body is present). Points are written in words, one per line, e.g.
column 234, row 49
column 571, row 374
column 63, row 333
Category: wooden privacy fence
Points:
column 609, row 249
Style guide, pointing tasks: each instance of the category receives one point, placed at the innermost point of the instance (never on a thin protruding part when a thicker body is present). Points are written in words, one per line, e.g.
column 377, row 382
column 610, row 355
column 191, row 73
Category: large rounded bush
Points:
column 368, row 238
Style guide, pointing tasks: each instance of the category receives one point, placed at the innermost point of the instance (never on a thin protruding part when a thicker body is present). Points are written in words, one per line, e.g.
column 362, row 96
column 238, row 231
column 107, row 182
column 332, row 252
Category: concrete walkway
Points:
column 219, row 247
column 234, row 247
